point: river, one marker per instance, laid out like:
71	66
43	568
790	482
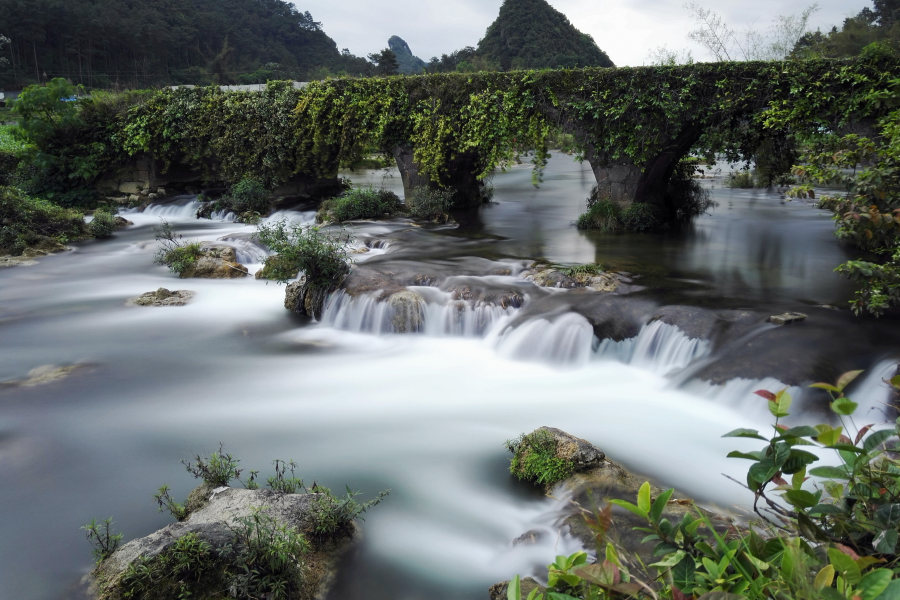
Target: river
425	415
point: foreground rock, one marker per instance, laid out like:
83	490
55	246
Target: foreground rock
215	516
216	262
163	297
304	299
595	480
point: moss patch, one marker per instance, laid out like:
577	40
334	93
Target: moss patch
536	458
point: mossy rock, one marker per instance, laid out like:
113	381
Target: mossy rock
547	456
199	497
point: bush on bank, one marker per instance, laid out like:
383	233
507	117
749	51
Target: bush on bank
867	214
29	222
834	539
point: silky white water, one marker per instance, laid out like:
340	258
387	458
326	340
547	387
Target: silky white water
423	414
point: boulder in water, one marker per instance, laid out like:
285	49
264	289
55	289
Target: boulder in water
552	278
217	262
214	522
305	300
787	318
409	312
163	297
569	453
596	481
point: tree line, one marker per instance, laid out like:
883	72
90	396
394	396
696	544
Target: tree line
116	44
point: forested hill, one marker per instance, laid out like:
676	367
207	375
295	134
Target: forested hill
531	34
102	43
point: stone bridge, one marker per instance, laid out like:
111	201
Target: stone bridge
633	125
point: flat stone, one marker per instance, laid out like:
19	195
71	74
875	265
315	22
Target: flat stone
43	375
162	297
787	318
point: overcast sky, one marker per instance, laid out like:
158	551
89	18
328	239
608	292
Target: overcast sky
625	29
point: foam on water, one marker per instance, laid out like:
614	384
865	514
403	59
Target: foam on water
659	347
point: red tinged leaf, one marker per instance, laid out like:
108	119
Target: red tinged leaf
779	481
678	594
863	432
844	440
782	427
611	568
765	394
848	551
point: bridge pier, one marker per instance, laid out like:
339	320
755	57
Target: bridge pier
461	176
625	182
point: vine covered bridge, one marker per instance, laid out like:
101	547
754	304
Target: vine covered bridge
633	125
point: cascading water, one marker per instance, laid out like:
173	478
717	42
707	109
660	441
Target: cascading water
424	415
872	393
178	209
659	347
438	316
565	340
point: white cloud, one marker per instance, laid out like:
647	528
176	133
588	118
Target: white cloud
626	29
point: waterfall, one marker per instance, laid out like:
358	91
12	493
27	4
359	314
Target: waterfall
223	215
437	315
659	347
179	209
248	252
564	340
872	393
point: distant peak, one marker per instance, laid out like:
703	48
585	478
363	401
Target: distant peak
409	63
397	44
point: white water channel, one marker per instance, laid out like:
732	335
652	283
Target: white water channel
423	414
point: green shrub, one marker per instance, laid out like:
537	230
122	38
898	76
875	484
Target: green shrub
601	214
26	221
268	559
103	225
218	469
322	257
187	569
741	180
640	217
249	199
360	203
430	204
535	459
174	252
248	195
102	539
332	516
283	483
166	502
